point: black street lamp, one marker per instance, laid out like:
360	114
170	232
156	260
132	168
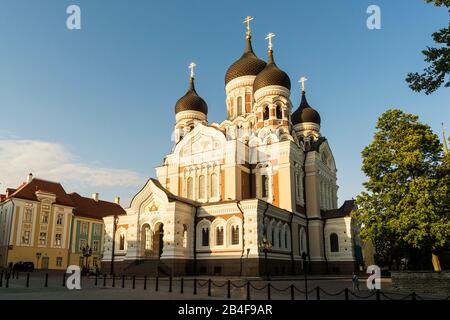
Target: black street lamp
116	221
87	252
266	247
38	256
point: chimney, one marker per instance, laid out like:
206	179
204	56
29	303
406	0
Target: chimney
29	177
117	200
95	196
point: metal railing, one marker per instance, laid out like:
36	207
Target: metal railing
247	289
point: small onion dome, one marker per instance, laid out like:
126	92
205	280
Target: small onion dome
191	101
271	76
305	113
247	65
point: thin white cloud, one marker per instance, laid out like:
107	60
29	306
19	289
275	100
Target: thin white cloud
53	161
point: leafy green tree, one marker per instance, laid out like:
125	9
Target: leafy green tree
405	207
439	58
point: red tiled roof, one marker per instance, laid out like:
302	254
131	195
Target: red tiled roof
89	208
27	191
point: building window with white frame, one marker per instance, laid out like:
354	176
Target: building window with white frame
43	238
234	234
82	244
28	217
84	228
26	237
219	236
58	239
334	242
95	245
44	216
205	237
60	219
97	230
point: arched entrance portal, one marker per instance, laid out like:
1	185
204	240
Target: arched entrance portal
158	242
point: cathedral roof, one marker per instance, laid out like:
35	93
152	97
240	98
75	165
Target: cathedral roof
247	65
271	76
305	113
344	211
191	101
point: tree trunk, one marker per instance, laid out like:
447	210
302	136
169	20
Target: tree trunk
435	261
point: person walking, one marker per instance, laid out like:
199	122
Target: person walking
355	282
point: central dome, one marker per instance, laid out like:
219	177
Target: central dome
247	65
191	101
271	76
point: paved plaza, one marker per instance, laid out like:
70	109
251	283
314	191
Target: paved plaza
330	288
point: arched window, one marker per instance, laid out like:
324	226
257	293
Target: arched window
334	242
184	236
272	236
214	186
240	109
122	242
235	235
201	187
148	238
190	188
279	112
264	186
280	243
219	236
266	113
286	235
205	237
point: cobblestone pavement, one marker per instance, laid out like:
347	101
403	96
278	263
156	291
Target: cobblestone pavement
329	289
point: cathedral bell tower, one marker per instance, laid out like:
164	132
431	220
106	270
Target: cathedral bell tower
240	77
189	109
271	90
306	120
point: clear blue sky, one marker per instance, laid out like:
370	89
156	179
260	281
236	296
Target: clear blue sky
106	93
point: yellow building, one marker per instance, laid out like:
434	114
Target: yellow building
40	222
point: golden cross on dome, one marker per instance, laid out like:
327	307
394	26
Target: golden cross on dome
192	66
247	22
302	81
269	37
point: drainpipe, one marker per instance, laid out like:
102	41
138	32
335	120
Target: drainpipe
306	214
238	204
69	255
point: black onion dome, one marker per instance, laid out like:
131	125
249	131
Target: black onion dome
305	113
271	76
247	65
191	101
